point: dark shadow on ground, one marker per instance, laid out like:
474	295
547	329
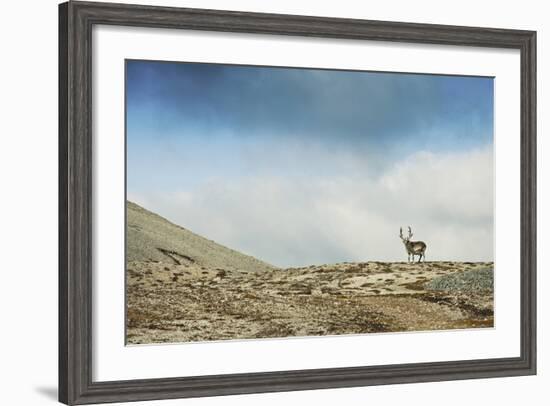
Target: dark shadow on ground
49	392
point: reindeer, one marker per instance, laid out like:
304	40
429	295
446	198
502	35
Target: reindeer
413	247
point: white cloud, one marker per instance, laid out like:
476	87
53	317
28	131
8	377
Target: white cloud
306	218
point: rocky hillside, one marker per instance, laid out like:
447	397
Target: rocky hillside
170	303
152	238
183	287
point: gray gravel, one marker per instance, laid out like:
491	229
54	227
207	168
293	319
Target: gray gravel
468	281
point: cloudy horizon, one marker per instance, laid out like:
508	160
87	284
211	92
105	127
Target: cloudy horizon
304	166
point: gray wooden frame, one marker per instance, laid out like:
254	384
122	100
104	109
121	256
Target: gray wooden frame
76	20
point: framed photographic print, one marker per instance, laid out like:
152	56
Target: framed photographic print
257	202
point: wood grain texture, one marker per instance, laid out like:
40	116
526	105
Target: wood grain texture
76	20
63	246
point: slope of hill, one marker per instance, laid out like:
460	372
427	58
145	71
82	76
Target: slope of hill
152	238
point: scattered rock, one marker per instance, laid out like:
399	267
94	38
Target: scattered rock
477	280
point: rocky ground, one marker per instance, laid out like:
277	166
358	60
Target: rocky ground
180	302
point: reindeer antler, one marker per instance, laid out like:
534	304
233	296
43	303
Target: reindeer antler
401	232
410	232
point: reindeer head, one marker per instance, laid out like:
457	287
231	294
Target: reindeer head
405	239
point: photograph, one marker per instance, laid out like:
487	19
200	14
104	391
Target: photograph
270	202
265	200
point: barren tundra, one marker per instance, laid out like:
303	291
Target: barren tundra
181	287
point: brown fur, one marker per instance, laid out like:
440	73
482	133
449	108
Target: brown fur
413	247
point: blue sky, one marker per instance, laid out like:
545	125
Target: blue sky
203	137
